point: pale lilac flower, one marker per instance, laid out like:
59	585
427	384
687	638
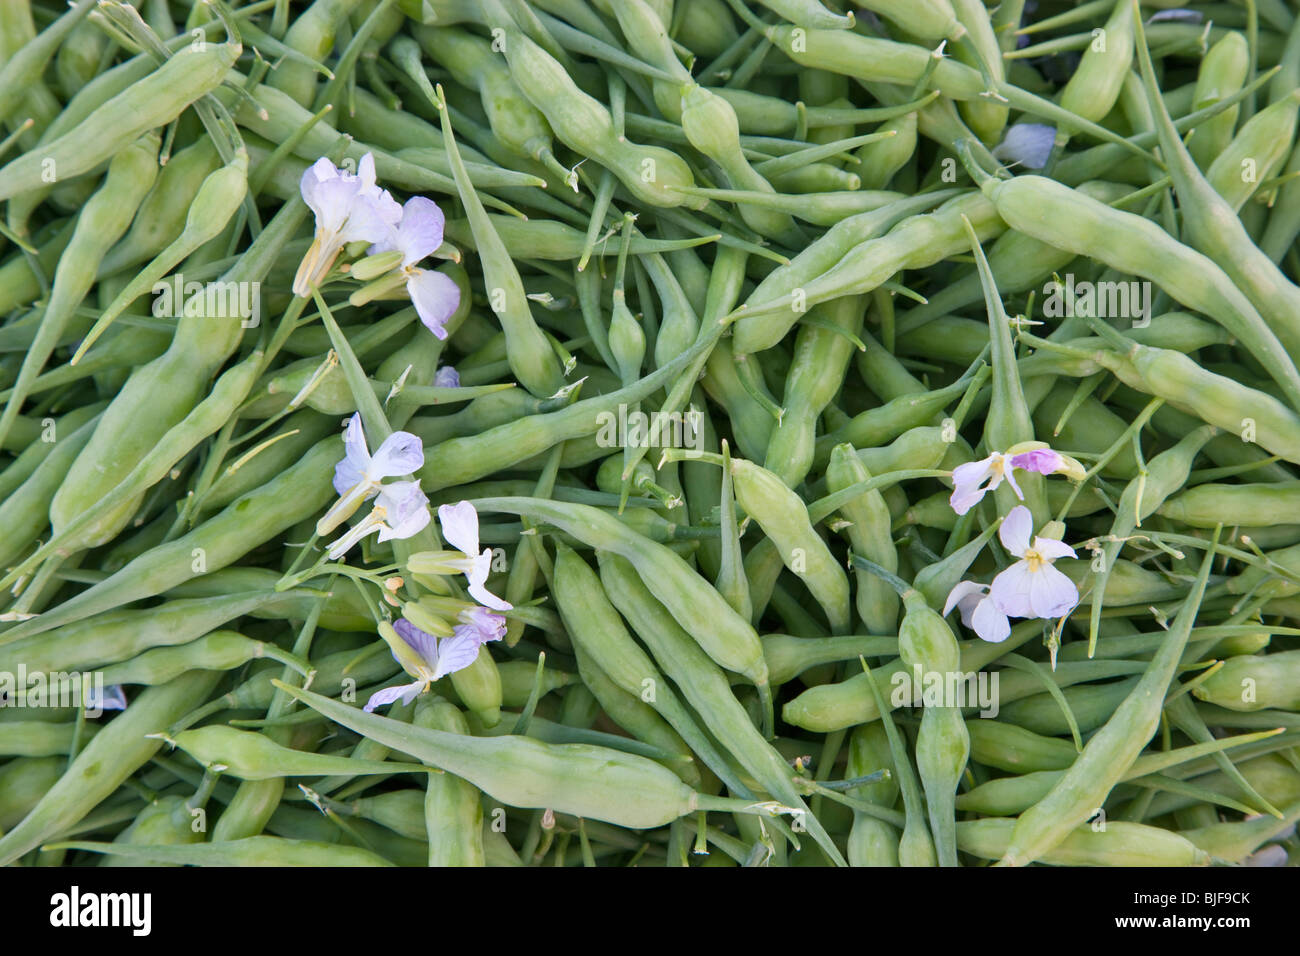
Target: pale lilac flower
349	208
426	658
1178	16
417	236
401	511
460	527
482	623
358	476
978	612
446	377
972	480
114	698
1032	587
1027	144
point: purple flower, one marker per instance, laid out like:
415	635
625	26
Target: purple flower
446	377
978	611
425	657
1032	587
417	236
349	208
1029	144
401	511
971	481
358	476
482	623
460	527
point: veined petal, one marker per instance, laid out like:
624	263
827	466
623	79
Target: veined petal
406	510
400	454
989	622
456	653
435	297
419	233
1042	460
1015	530
1051	593
460	526
407	692
482	623
1010	590
422	642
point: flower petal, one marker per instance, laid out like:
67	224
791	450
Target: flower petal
483	624
435	297
1029	144
456	653
1010	590
990	623
477	586
406	510
966	484
351	470
422	642
1042	460
460	526
446	377
401	454
963	590
389	694
1052	549
419	233
1051	593
1015	530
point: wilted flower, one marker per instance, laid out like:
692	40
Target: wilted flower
460	527
401	511
972	480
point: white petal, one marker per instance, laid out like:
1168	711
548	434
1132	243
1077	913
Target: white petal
1010	590
1051	593
460	526
1015	530
990	623
963	590
1052	549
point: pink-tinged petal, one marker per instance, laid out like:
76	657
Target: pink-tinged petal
422	642
456	653
961	592
1051	593
389	694
435	297
1052	549
1011	480
400	454
483	624
419	233
1029	144
1015	530
446	377
990	623
406	510
1009	591
1042	460
460	526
